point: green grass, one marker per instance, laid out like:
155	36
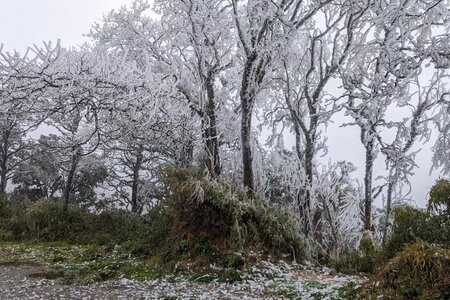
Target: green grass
82	264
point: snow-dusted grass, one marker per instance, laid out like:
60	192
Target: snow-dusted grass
95	272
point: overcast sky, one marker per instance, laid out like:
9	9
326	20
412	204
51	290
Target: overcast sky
28	22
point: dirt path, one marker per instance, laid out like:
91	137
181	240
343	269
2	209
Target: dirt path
26	282
29	282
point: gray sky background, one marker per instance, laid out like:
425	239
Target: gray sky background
27	22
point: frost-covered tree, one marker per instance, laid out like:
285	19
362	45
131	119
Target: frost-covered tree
441	148
337	211
398	44
39	176
140	138
301	92
202	54
12	145
422	102
81	87
43	174
264	28
19	91
191	51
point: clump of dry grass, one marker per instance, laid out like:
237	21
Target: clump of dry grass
228	219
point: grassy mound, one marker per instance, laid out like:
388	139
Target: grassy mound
420	271
211	224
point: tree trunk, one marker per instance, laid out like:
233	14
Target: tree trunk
247	155
3	160
368	186
185	156
247	100
71	174
309	156
390	190
135	186
2	181
212	139
253	75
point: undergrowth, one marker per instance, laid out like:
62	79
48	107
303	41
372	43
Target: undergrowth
45	221
419	271
200	225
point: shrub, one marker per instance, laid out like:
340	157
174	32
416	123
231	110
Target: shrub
419	271
353	263
411	225
154	236
113	226
440	197
5	208
201	223
46	221
364	261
